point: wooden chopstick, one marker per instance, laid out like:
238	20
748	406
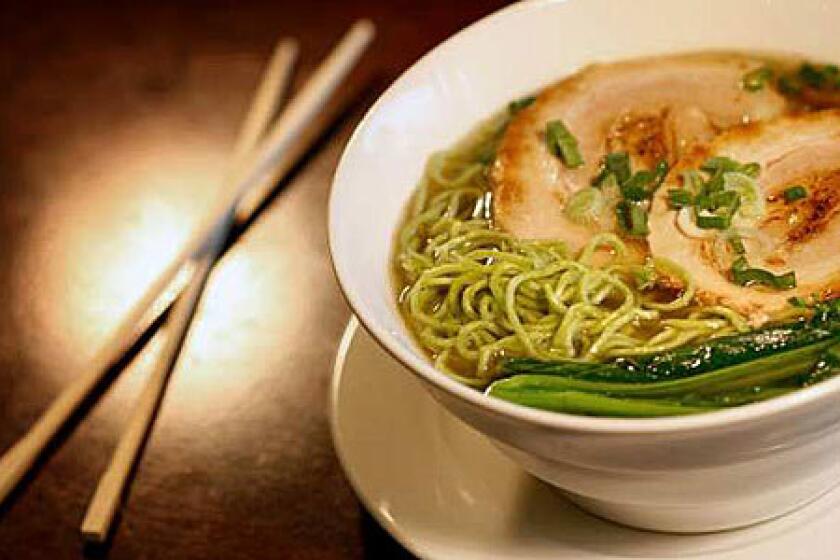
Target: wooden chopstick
101	512
106	499
275	154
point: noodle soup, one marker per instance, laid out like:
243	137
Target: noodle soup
582	255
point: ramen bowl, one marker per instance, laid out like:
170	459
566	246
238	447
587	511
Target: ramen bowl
697	473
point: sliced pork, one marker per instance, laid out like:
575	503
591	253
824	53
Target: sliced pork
654	109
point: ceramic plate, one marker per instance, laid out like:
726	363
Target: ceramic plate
443	491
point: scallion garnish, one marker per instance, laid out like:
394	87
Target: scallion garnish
680	198
562	144
635	188
798	302
692	181
519	104
632	217
728	200
744	275
755	80
789	86
659	173
616	164
795	193
712	221
585	206
715	210
751	169
814	76
720	164
737	245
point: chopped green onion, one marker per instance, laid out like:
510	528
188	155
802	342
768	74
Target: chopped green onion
744	275
789	86
795	193
737	245
714	184
680	198
659	173
798	301
616	164
519	104
751	204
751	169
713	221
819	77
755	80
632	217
635	188
726	199
720	164
692	181
561	143
585	206
715	210
811	75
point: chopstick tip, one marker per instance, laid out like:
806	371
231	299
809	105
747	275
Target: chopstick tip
365	28
289	45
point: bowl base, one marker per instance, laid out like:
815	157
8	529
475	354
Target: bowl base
684	520
697	514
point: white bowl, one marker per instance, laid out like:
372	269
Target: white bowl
689	474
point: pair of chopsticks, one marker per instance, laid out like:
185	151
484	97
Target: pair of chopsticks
265	152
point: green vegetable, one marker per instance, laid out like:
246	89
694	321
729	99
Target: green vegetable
730	190
694	359
713	221
635	188
789	86
751	205
715	210
758	372
819	77
562	144
576	402
616	164
814	76
720	164
680	198
632	217
692	181
737	245
744	275
751	169
795	193
659	173
827	366
519	104
798	301
585	206
726	200
755	80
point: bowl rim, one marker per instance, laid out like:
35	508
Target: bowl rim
423	368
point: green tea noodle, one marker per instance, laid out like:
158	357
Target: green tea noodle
473	294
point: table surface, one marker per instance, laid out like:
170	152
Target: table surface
116	120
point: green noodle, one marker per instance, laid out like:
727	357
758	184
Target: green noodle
473	295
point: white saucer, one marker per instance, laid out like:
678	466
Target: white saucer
443	491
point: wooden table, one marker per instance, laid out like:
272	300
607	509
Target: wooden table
115	124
